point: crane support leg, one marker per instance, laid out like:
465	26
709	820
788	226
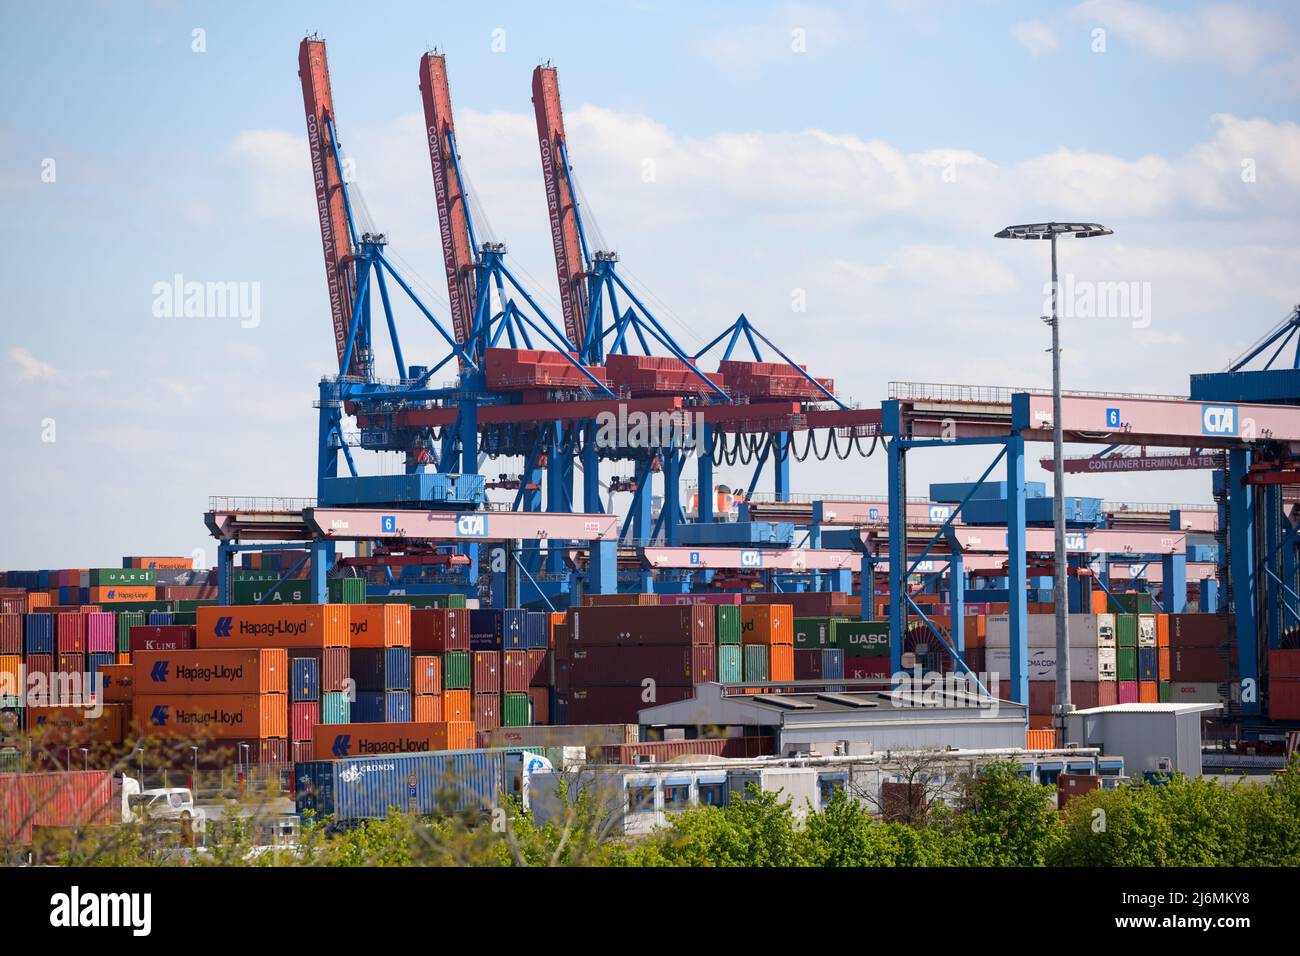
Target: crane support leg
1241	531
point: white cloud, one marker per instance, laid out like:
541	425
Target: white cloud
29	367
788	32
1035	36
1228	34
281	172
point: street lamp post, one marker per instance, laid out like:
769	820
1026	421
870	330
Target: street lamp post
1052	231
85	757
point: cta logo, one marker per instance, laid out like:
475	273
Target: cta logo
751	559
471	526
1218	420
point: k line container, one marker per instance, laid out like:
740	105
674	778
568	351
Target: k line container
216	716
172	637
287	625
257	671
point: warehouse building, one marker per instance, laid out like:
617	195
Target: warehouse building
1153	739
846	723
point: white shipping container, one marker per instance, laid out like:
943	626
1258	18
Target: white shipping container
1146	630
1184	693
1084	663
1086	630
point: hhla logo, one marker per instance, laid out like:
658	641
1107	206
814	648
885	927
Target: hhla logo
76	909
634	429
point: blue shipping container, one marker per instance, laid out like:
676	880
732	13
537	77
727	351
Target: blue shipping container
485	629
832	663
512	629
304	675
161	618
38	634
397	668
368	708
537	628
1148	663
397	706
366	788
95	661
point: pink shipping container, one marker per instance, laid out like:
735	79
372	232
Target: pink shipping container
303	719
11	633
1128	691
70	633
101	633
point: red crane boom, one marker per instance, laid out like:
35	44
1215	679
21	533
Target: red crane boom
569	266
336	242
453	223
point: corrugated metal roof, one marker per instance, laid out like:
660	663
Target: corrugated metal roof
1169	708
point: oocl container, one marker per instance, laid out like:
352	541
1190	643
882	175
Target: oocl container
286	625
255	671
217	716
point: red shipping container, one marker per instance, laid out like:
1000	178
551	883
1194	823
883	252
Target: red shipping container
439	629
1042	695
1283	663
541	701
1284	698
487	672
72	663
628	666
70	633
487	711
807	664
539	668
866	668
303	716
335	666
64	799
617	705
1198	630
651	624
514	672
427	709
426	675
101	633
302	751
169	637
1107	693
1199	664
11	633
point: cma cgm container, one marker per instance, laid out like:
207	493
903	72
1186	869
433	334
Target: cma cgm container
239	716
287	625
373	740
360	788
254	671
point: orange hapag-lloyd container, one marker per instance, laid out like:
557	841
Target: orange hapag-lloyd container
766	624
281	625
380	625
228	716
257	670
73	725
331	741
120	593
169	564
119	682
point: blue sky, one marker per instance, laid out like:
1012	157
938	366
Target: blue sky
868	170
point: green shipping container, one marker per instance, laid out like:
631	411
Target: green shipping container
728	624
118	607
812	633
514	710
256	592
419	600
191	606
125	621
1135	603
106	577
754	662
1126	633
456	670
1126	663
184	617
729	669
861	638
347	590
246	574
11	761
335	708
1166	692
